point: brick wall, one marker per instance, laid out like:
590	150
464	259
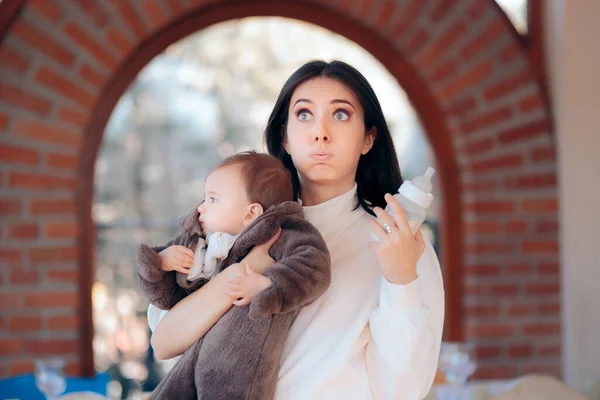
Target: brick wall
59	55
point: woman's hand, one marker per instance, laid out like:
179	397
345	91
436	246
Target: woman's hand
398	251
176	258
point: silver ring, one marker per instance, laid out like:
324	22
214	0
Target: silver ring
388	228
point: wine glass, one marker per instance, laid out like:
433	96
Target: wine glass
457	362
49	377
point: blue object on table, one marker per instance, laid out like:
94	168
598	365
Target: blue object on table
23	386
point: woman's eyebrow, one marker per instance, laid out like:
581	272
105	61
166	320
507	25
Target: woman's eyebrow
336	101
302	101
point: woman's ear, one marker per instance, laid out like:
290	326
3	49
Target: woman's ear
284	141
369	140
254	211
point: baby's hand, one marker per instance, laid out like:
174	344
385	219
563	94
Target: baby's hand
177	258
246	288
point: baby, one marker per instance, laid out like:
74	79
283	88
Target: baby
247	201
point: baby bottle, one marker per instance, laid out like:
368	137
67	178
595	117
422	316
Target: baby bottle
415	198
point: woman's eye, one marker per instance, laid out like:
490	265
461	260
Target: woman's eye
341	115
304	115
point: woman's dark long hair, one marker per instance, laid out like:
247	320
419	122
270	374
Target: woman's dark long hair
378	171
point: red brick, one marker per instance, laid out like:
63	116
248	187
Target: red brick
542	329
40	181
409	15
487	352
92	76
545	368
516	227
51	206
52	299
540	205
9	255
520	351
417	41
95	13
490	331
23	231
478	186
553	308
484	39
18	98
489	372
524	132
47	9
445	70
440	10
489	248
20	277
467	79
517	310
482	311
510	52
518	269
493	207
118	39
543	288
55	346
461	107
10	206
43	43
543	154
499	162
546	227
479	146
20	367
482	227
507	289
542	247
130	16
10	346
13	60
477	9
67	275
507	86
18	155
73	368
61	229
51	254
533	102
177	9
487	120
550	350
10	301
482	269
531	181
72	116
387	10
51	79
24	323
45	133
62	323
154	11
3	122
87	42
548	268
54	160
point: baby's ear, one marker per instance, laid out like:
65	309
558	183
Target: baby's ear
190	222
254	211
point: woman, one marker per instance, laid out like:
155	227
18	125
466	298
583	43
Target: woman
376	332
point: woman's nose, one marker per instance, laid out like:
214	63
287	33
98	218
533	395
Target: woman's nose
321	133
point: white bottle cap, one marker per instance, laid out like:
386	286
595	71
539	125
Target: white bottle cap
418	191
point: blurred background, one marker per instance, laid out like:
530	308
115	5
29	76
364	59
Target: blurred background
112	113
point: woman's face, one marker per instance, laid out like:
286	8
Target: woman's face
325	133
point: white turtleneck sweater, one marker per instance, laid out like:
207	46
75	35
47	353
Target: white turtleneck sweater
364	338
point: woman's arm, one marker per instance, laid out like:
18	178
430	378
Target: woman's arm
406	329
192	317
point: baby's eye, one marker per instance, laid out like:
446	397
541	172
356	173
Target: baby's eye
212	200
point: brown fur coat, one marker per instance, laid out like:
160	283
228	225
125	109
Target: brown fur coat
238	357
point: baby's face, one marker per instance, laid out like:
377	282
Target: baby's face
225	201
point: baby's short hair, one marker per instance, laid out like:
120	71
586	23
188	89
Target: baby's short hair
268	182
